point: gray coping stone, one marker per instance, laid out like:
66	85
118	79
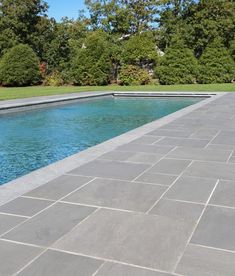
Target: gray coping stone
7	222
50	225
200	154
213	170
140	239
133	147
216	228
114	269
224	194
170	166
204	133
191	189
138	157
225	138
118	194
178	210
185	133
147	140
59	187
25	206
157	178
111	169
186	142
54	263
198	260
15	256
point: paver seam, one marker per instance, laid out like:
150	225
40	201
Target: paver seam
196	225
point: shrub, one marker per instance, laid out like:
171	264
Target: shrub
133	75
216	65
178	65
91	64
19	67
54	79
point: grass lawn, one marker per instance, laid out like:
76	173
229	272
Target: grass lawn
26	92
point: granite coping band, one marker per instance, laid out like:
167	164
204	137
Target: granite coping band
26	183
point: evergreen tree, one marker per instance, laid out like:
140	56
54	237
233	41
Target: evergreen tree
19	67
216	64
178	65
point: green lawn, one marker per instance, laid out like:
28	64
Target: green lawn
26	92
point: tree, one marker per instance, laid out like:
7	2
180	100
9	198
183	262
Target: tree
90	64
23	21
140	50
216	64
19	67
178	65
122	16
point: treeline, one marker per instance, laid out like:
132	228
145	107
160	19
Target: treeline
121	41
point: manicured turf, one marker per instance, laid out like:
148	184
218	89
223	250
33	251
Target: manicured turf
26	92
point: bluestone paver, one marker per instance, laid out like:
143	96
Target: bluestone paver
54	263
146	148
186	142
170	166
157	178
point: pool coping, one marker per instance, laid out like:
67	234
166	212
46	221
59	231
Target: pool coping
28	182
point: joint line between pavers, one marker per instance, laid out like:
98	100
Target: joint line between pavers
168	188
13	215
211	247
194	229
230	156
112	261
210	142
39	198
99	268
53	203
184	201
23	243
153	164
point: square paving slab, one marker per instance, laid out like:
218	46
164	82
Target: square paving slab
216	228
144	240
111	169
170	166
54	263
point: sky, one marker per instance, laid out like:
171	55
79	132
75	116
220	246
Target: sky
62	8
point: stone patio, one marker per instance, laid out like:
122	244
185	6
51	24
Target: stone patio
163	204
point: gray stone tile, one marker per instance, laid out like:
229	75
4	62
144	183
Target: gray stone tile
157	178
200	154
216	228
198	260
224	194
185	133
138	239
61	264
15	256
212	170
115	269
50	225
225	138
59	187
25	206
111	169
132	147
221	147
146	140
191	189
232	159
138	157
178	210
204	133
118	194
170	166
7	222
186	142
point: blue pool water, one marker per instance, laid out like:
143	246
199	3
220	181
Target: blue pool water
33	139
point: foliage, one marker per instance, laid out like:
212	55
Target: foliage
90	64
232	49
19	67
133	75
178	65
140	50
215	64
54	79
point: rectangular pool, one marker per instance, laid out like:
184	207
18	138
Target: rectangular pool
33	139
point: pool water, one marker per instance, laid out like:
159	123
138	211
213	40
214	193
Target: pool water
33	139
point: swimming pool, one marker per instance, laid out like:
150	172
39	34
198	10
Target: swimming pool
33	139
